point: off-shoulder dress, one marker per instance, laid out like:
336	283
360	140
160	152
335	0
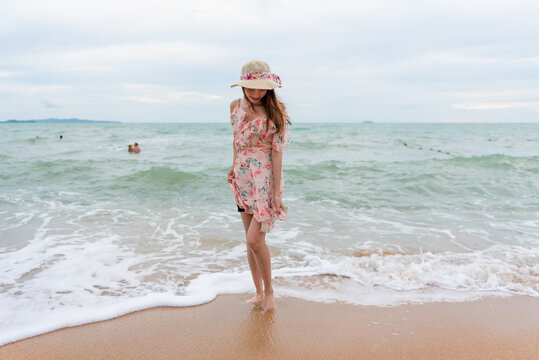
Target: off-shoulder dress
252	185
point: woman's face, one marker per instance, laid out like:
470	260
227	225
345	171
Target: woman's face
255	95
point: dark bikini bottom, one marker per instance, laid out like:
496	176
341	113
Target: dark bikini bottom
240	209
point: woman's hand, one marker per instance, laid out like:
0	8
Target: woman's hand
279	206
231	175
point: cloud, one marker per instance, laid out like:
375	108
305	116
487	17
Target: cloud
27	89
50	105
155	94
463	57
9	74
141	99
498	105
124	56
193	97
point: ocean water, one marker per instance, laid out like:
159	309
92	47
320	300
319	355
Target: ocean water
379	214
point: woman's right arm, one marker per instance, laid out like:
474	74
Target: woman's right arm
231	172
233	105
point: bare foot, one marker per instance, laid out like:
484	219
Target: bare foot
269	302
258	299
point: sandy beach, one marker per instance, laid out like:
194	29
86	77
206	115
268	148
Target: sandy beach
228	328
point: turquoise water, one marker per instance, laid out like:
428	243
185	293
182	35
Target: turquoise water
379	214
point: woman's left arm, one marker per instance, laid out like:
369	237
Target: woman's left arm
277	166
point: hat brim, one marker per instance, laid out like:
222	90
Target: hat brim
266	84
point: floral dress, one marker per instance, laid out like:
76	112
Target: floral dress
252	185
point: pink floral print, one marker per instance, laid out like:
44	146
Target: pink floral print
262	75
252	185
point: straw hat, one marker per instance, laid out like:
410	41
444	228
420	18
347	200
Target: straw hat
256	74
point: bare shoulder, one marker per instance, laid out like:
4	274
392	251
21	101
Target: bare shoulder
233	104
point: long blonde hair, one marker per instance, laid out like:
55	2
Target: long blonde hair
275	110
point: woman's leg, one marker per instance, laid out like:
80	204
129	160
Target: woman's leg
255	273
256	241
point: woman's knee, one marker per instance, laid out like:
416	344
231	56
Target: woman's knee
255	238
254	242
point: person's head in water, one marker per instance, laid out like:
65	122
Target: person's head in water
136	149
130	148
61	137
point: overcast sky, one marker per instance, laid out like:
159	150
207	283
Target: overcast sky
173	61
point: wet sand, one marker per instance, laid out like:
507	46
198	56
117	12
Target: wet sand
228	328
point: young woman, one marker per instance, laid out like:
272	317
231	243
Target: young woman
260	136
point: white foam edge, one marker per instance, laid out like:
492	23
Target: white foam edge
206	287
84	315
